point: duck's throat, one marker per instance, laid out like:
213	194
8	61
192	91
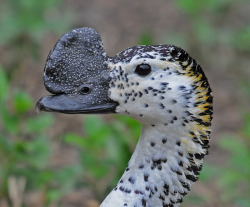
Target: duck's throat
164	165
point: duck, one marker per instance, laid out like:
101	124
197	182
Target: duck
161	87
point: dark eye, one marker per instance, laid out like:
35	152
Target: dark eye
143	69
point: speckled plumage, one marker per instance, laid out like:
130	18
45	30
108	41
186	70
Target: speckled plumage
174	104
171	98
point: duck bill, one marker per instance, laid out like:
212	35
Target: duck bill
75	104
77	62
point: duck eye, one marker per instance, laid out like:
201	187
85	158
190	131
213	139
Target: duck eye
143	69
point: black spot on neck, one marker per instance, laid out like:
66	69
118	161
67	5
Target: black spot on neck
146	177
131	180
164	140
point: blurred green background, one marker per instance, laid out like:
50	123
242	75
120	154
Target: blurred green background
63	160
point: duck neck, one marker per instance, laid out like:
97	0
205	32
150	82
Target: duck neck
165	163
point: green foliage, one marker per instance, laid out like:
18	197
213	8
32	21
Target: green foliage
244	88
207	26
24	145
106	146
246	127
195	7
20	18
241	39
208	173
234	177
3	85
22	102
23	25
25	148
39	124
146	38
197	200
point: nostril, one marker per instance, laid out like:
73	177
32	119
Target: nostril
85	90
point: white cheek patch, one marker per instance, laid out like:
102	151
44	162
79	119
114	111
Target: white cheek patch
154	98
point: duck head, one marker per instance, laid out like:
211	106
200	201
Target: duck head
153	84
160	85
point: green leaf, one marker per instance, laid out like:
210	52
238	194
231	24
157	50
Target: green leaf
233	144
146	39
208	173
64	177
77	140
39	123
5	146
3	85
96	166
190	6
92	124
22	102
229	179
38	152
241	39
198	7
246	127
44	177
53	194
133	126
243	202
10	122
